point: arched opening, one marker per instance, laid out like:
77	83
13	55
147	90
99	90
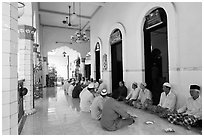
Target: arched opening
116	59
63	63
97	61
156	52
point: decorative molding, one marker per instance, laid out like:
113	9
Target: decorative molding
134	70
186	69
26	32
105	62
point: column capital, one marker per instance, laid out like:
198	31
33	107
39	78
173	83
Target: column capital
26	32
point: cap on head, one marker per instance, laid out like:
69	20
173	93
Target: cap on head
134	83
144	84
166	84
91	86
194	86
104	92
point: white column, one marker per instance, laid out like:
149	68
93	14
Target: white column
25	55
25	64
9	68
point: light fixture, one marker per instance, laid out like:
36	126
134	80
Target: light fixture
79	36
64	54
74	15
21	6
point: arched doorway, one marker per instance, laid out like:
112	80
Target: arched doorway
116	60
156	52
97	61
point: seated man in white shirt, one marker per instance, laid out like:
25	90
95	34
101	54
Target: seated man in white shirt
191	112
102	86
167	98
133	95
71	88
86	98
144	95
97	105
167	102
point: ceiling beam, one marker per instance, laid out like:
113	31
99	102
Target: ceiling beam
97	3
86	26
43	11
98	8
54	26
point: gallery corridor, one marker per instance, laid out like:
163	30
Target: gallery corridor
59	114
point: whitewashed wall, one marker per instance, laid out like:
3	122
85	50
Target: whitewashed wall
184	42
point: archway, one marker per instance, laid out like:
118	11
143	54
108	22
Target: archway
63	60
97	63
116	60
156	52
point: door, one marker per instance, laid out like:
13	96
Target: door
156	53
116	62
97	59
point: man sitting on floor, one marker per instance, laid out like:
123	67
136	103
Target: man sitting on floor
86	98
113	116
167	102
144	96
191	112
97	105
133	95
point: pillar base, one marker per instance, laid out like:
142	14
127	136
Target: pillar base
30	112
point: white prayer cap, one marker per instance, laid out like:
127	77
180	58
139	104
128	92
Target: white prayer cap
144	84
91	85
167	84
104	92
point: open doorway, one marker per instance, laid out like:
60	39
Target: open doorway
156	52
116	60
61	65
97	63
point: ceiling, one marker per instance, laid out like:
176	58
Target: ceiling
53	13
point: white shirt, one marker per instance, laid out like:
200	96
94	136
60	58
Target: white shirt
192	107
86	99
96	84
167	101
70	90
134	93
143	95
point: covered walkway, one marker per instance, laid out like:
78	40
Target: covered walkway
59	114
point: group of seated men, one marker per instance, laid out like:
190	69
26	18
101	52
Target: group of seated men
74	87
112	116
104	108
188	115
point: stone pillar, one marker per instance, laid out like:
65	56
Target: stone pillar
9	68
82	66
25	64
45	70
35	63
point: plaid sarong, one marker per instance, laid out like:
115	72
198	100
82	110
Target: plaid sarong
182	119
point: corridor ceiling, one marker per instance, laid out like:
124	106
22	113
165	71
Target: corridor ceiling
53	13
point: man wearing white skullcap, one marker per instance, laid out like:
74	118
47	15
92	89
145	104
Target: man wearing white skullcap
133	95
86	98
167	98
97	105
144	94
191	112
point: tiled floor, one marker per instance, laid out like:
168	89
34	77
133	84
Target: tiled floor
59	114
